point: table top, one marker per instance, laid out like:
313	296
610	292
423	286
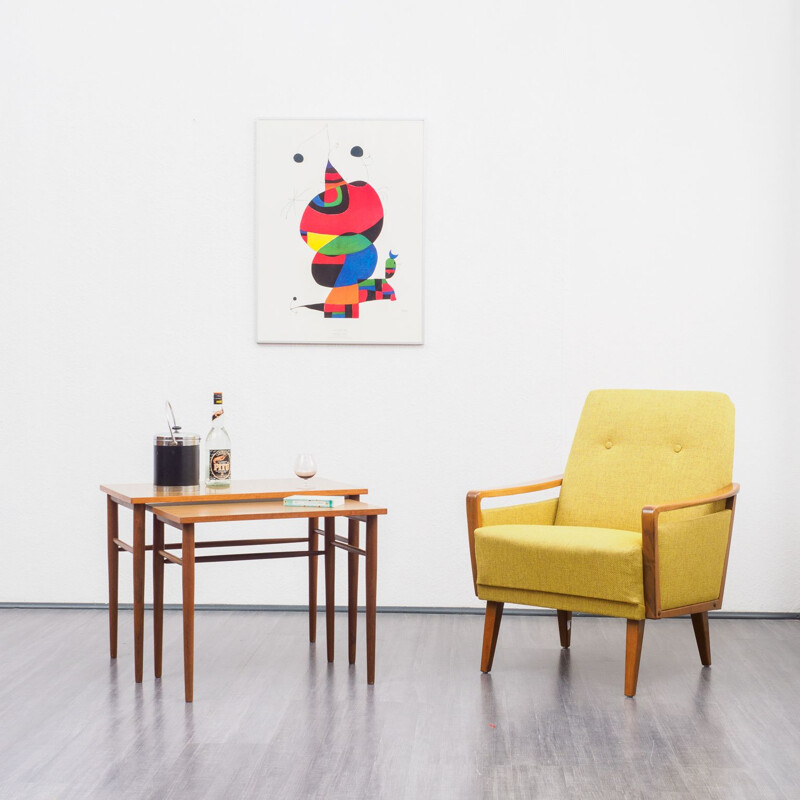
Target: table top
275	509
261	489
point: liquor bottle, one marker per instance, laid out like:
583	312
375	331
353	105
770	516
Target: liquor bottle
218	448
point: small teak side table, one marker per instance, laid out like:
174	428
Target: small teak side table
186	517
137	496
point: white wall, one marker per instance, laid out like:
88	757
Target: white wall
609	202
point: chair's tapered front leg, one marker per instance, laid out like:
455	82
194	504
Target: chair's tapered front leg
564	626
633	653
494	615
700	624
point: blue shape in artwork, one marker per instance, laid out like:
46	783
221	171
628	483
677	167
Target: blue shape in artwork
358	266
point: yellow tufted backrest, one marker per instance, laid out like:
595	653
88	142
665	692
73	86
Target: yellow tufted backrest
639	447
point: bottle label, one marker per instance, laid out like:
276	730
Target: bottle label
219	465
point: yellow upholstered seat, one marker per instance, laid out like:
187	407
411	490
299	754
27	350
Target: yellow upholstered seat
589	562
640	529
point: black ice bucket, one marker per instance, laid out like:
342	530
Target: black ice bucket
176	458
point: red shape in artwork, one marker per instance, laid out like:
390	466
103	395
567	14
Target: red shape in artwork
319	258
363	211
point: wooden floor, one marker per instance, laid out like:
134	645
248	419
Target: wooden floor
271	719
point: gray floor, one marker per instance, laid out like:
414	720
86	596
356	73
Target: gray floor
272	719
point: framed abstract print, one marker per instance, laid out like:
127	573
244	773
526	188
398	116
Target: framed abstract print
339	231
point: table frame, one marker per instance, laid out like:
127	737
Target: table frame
184	518
138	496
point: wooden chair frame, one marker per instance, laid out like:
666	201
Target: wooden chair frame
650	574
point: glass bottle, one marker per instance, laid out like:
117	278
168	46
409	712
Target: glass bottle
218	448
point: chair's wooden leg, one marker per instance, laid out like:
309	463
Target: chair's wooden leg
491	627
633	653
700	624
564	626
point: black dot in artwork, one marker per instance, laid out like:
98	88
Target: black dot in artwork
298	157
356	151
294	298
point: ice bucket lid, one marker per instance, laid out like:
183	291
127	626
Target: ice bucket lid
179	440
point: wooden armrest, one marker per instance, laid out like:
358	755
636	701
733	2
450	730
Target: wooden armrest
652	580
474	499
723	494
506	491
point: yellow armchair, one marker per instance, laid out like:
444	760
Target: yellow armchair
640	529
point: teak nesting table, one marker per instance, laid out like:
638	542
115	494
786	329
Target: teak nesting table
243	500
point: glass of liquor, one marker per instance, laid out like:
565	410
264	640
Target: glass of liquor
305	467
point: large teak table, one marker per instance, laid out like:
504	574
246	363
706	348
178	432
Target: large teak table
185	518
138	496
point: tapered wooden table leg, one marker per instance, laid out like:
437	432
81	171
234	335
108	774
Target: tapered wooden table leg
313	524
112	514
352	590
371	581
158	594
330	581
187	570
138	591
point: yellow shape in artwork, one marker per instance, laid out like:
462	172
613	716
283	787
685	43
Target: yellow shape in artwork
316	241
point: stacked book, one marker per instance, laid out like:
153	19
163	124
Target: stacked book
313	500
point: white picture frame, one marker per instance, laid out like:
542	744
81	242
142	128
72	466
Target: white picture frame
336	178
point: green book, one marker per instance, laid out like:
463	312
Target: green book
314	500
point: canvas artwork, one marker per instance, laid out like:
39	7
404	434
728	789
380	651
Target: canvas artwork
339	231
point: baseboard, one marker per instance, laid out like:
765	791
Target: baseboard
516	611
